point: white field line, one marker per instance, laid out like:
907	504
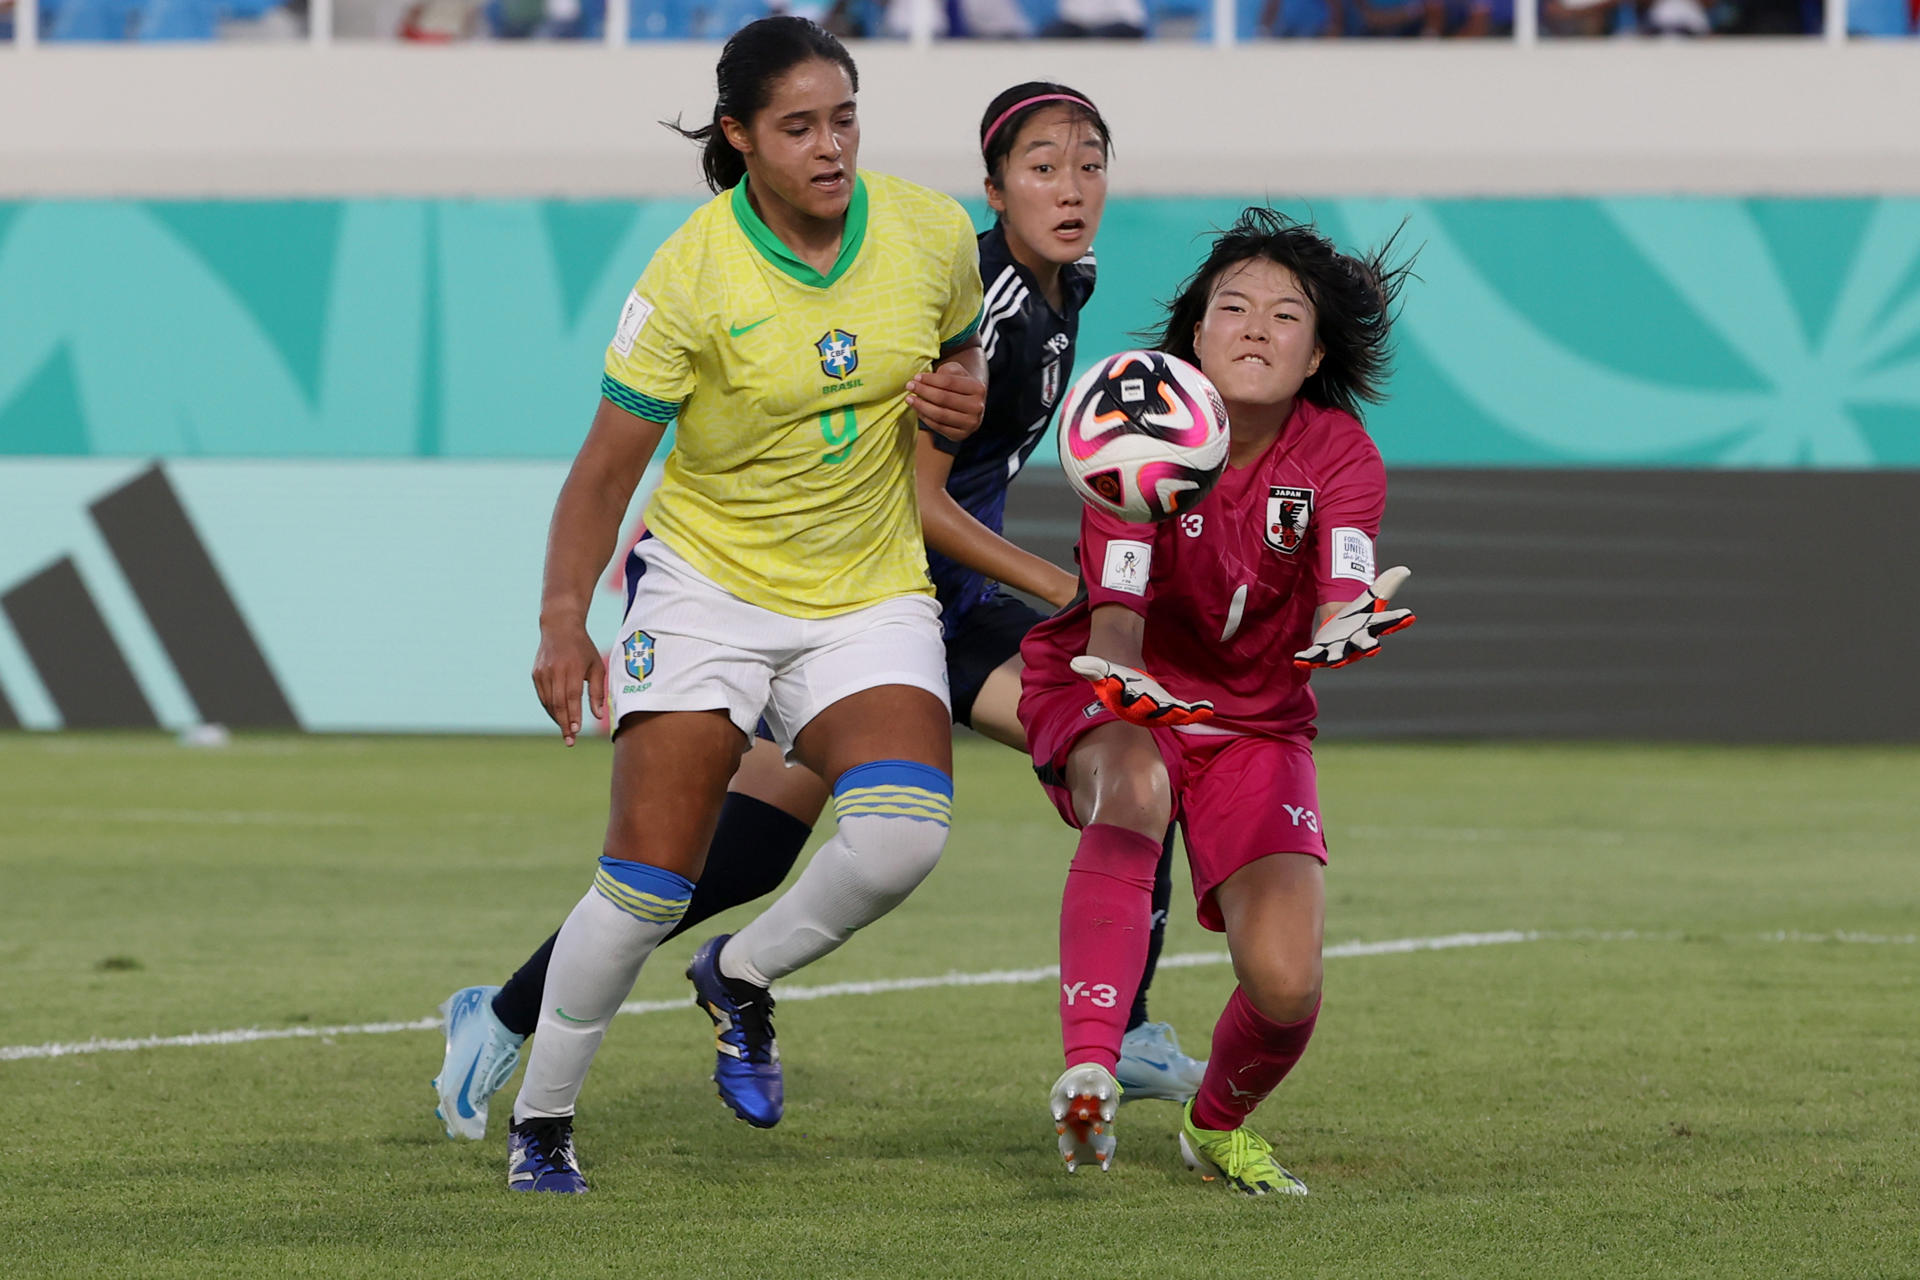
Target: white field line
884	986
324	818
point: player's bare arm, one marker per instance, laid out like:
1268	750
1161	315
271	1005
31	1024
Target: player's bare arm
586	525
951	398
952	531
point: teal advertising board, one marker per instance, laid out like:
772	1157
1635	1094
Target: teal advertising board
1623	332
290	464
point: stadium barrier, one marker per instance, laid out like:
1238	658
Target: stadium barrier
1308	118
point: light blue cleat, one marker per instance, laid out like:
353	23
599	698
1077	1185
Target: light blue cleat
1152	1066
481	1054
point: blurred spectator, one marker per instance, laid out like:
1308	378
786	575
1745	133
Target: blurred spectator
1292	19
1098	19
442	21
1883	17
171	20
952	19
1469	19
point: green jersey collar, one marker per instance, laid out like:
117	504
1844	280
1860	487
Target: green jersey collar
762	238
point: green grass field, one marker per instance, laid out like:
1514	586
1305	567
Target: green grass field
1705	1065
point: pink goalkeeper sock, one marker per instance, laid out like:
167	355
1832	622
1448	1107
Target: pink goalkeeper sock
1251	1056
1106	919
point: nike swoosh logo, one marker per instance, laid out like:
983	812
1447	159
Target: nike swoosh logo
747	328
460	1100
569	1017
1157	1066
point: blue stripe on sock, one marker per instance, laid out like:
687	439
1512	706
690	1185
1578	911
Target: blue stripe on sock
655	883
895	773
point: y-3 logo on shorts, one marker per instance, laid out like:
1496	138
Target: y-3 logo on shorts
1303	817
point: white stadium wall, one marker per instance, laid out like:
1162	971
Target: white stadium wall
1742	117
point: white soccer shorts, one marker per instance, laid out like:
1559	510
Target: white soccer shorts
688	644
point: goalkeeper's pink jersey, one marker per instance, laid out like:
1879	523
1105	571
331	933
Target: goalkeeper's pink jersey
1229	589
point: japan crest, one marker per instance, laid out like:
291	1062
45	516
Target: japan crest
1288	513
1049	384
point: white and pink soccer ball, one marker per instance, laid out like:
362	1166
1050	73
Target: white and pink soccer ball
1143	436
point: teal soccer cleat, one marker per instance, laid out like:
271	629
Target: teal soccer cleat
481	1055
1152	1066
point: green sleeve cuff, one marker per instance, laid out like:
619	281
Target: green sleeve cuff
637	403
963	335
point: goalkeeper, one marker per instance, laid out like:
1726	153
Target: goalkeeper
1198	635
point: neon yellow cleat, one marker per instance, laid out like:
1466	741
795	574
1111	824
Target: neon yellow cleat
1241	1156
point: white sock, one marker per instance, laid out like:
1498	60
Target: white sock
892	826
596	959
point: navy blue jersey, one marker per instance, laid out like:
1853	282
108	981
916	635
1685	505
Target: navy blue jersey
1029	350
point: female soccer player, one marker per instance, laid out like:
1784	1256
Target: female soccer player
796	326
1045	147
1198	634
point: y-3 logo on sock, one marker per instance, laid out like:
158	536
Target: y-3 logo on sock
1099	994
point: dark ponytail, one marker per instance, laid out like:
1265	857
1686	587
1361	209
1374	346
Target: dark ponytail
757	55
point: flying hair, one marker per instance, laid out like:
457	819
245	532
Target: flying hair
1355	299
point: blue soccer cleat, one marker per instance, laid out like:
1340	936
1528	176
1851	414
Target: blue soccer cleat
1152	1066
747	1059
540	1156
481	1054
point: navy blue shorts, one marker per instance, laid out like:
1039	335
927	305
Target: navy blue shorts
978	641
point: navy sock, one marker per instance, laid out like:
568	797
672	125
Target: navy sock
518	1004
754	847
1162	903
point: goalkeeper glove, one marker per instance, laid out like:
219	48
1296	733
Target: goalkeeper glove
1354	632
1137	697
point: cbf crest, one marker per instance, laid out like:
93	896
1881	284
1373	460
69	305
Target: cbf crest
638	651
1289	513
839	355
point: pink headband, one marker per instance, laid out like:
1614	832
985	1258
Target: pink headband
1024	103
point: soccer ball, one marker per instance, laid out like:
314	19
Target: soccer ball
1143	436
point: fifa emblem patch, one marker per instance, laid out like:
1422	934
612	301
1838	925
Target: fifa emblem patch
1289	511
839	356
1050	384
638	651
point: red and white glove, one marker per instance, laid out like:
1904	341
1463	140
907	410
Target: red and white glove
1137	697
1354	632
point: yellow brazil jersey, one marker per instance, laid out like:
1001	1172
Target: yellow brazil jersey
790	482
